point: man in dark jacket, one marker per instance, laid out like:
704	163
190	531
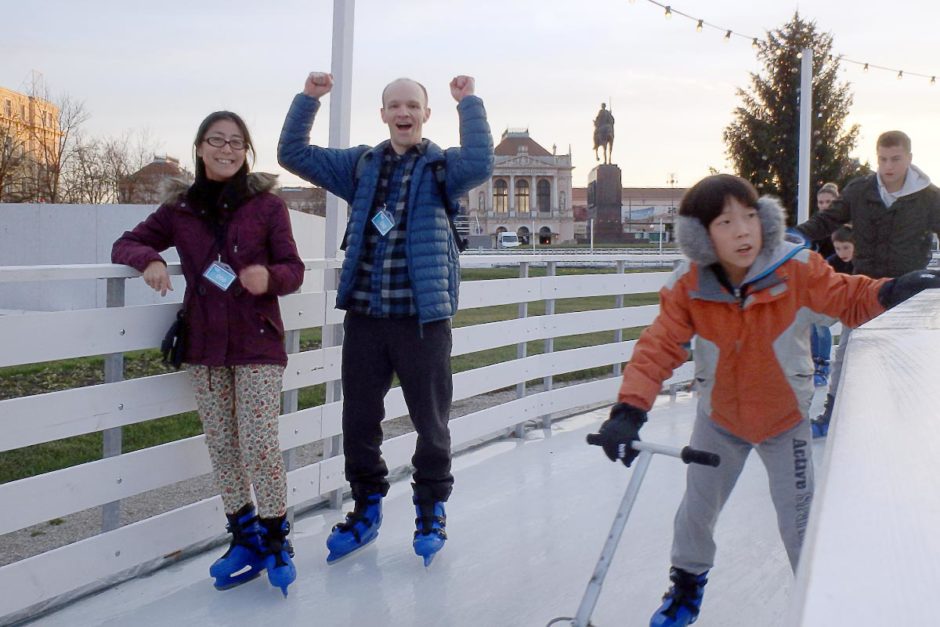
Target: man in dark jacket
398	286
894	214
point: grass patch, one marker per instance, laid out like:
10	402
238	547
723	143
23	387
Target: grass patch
54	376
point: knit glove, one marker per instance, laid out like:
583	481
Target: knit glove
898	290
618	433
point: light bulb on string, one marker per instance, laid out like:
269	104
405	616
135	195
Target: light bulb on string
668	13
933	80
728	36
698	27
865	69
900	74
754	43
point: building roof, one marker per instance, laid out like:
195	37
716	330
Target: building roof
159	168
514	139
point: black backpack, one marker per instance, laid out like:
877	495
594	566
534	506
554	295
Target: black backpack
439	176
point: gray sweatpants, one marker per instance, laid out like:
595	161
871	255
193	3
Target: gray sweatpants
788	459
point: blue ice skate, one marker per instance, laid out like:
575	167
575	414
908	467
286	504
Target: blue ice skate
359	529
429	525
244	559
821	373
820	423
682	602
278	552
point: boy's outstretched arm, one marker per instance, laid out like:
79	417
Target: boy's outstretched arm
898	290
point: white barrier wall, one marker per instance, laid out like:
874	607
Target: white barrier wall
872	551
40	234
49	578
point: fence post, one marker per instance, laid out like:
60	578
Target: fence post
112	438
289	404
521	347
332	335
618	334
548	380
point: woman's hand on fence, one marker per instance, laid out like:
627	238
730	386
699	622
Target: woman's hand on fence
156	276
255	279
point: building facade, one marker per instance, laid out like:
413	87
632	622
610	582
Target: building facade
529	192
29	142
143	186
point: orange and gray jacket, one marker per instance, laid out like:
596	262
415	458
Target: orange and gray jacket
753	365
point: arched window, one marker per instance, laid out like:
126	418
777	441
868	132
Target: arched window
500	196
544	195
522	196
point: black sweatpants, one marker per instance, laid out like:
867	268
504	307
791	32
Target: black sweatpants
375	349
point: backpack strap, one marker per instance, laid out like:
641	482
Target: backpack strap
440	177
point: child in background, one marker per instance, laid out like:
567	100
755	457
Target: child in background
821	337
841	261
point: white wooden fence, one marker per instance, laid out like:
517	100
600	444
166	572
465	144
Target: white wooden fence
37	583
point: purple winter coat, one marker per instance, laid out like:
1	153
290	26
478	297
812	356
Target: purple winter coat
234	327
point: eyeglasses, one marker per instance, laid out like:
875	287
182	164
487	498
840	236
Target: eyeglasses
217	142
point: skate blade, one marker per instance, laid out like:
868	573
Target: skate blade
228	583
428	559
330	560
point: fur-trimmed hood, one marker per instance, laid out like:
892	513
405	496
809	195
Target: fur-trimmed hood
695	243
172	189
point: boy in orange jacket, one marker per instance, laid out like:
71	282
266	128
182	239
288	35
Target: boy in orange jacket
748	297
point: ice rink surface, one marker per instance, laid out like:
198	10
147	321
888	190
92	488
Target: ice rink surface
526	524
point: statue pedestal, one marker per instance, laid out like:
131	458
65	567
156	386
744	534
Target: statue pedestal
604	196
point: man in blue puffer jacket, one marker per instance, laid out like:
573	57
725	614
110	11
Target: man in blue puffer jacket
398	286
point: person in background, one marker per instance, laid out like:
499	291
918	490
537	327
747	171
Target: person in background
821	337
841	261
894	213
238	255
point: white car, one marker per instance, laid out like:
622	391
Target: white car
507	240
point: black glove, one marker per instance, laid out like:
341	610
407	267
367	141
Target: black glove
898	290
620	431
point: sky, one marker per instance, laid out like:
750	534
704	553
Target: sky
158	68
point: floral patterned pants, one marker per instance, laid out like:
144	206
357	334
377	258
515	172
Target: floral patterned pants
239	408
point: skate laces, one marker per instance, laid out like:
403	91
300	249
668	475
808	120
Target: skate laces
686	591
242	533
277	543
425	522
358	515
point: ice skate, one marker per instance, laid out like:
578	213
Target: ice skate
244	559
682	602
359	529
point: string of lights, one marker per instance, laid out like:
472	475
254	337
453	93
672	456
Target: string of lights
728	33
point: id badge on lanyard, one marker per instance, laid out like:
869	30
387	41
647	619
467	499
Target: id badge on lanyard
220	274
383	221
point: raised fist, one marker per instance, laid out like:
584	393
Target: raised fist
318	84
461	86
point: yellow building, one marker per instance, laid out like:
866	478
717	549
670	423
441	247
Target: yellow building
29	139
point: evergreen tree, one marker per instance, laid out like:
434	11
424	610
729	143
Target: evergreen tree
763	140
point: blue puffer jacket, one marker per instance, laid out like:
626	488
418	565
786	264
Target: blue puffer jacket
433	264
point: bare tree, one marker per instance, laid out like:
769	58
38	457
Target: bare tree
12	161
56	152
86	180
126	155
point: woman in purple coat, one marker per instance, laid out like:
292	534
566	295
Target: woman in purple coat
238	255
